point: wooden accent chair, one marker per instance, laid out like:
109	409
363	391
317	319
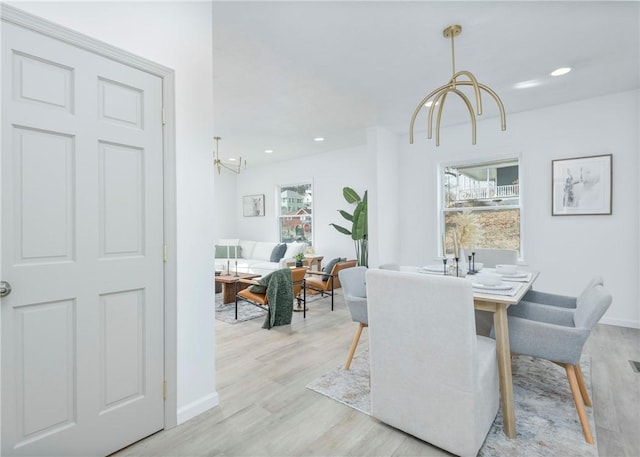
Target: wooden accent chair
260	299
557	331
326	283
355	295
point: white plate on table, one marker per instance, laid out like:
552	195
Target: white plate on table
516	275
501	286
433	268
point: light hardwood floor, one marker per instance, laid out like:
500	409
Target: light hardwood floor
265	409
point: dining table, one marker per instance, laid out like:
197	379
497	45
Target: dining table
497	300
487	300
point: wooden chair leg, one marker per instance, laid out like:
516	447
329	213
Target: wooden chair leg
354	345
577	399
581	384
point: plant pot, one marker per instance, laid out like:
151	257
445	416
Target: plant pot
298	263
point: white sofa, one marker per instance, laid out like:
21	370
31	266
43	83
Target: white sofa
254	256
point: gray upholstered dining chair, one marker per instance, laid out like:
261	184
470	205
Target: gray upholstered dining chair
355	295
492	257
558	333
431	375
562	301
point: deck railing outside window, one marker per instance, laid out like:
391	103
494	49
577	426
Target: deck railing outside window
477	193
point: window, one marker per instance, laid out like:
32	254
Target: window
491	192
296	213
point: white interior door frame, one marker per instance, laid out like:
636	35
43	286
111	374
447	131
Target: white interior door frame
30	22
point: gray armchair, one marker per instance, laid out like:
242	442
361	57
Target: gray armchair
355	295
557	333
562	301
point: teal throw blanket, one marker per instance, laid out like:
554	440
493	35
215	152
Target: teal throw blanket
279	296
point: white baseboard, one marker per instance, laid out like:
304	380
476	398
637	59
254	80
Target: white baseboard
620	322
197	407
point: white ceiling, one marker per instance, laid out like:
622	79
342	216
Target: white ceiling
286	72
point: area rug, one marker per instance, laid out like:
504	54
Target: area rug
246	311
546	418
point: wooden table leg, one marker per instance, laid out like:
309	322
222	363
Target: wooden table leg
504	369
228	292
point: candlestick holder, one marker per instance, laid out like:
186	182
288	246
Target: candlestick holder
228	269
236	275
457	272
472	263
444	266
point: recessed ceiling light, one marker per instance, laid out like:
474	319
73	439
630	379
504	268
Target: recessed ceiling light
527	84
560	71
232	159
268	151
319	138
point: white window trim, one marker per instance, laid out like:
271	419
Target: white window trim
279	207
441	165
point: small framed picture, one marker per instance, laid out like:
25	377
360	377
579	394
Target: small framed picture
253	205
581	186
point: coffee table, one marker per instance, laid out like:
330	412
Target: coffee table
229	285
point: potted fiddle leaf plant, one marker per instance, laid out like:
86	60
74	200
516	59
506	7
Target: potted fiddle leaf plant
359	227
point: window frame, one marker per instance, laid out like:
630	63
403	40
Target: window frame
279	214
470	162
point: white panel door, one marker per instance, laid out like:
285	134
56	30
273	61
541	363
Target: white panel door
82	243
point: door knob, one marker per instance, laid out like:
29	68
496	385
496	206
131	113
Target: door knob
5	288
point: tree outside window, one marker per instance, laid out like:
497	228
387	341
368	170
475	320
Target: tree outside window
491	191
296	213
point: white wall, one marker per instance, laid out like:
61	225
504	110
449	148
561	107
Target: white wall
226	207
177	35
568	250
384	209
329	173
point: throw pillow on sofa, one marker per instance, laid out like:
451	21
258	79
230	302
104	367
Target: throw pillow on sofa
278	252
222	251
294	248
262	250
329	267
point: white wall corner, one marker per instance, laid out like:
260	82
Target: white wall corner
384	197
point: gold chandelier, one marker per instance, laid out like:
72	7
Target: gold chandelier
439	96
220	164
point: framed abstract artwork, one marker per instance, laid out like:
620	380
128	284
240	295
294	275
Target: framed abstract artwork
253	205
581	186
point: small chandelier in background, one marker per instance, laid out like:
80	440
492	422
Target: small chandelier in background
220	164
439	96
